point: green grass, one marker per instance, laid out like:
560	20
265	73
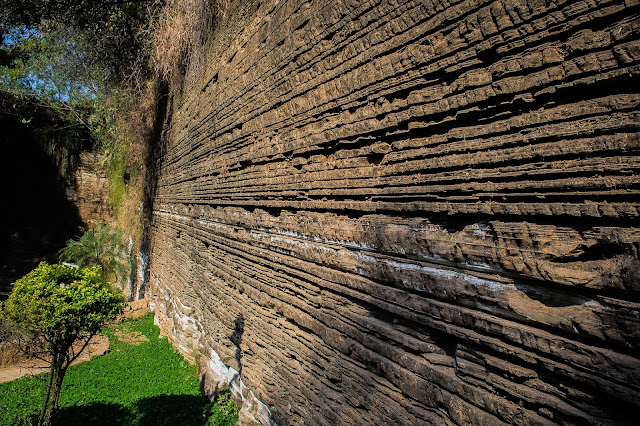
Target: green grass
144	384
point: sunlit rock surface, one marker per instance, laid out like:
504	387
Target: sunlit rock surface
408	212
90	190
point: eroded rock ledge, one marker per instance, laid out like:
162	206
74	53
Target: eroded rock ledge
409	212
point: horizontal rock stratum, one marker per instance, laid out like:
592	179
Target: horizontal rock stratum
408	212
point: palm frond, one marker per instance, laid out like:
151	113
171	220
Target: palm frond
100	246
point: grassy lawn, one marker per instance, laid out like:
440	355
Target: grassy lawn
144	384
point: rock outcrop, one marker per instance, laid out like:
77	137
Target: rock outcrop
408	212
90	190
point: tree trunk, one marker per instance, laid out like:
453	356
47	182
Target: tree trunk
48	394
58	369
57	387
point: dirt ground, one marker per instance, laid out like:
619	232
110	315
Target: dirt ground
13	365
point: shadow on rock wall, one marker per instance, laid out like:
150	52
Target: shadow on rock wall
156	150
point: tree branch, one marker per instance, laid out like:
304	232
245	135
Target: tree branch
86	343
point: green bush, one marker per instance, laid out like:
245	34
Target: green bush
224	411
54	311
100	246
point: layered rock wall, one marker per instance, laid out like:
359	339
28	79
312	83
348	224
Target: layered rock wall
409	212
90	192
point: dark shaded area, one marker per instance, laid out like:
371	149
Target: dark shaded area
36	217
93	414
156	151
164	410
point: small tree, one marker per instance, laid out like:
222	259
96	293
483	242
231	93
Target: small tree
100	246
53	312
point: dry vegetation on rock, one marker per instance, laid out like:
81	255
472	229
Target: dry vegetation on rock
180	34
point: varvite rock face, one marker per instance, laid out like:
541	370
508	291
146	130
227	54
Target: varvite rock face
90	192
408	212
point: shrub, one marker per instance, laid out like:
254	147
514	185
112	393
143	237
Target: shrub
224	411
54	311
100	246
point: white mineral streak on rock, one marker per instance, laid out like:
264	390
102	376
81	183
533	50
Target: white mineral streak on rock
129	288
142	281
185	329
442	273
173	321
253	411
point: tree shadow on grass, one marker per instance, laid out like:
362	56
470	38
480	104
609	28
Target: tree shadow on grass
164	410
93	414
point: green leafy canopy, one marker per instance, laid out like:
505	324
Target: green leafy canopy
61	303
